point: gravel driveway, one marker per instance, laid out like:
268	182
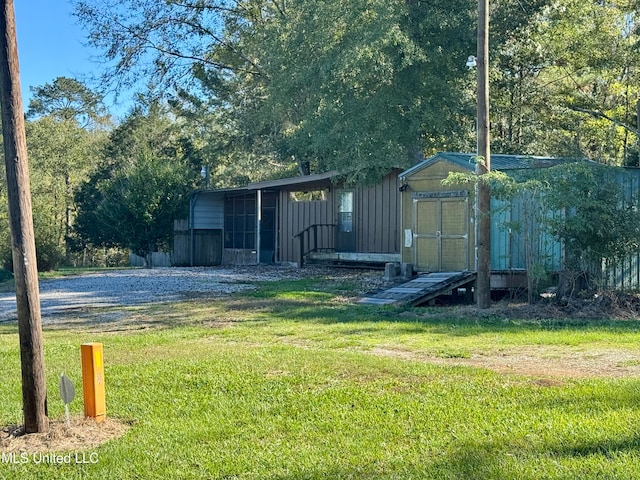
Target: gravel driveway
142	286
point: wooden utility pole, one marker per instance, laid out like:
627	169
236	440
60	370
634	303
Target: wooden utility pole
483	215
34	393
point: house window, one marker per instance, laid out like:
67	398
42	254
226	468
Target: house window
309	196
345	211
240	222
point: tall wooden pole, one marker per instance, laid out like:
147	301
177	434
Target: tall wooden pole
483	283
34	393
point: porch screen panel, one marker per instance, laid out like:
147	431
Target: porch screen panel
240	222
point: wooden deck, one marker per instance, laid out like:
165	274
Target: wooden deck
422	289
353	257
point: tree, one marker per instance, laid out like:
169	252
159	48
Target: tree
353	86
61	154
140	203
329	92
216	141
565	81
141	184
66	127
160	42
359	86
67	99
517	102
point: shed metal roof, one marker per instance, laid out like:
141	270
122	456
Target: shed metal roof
498	162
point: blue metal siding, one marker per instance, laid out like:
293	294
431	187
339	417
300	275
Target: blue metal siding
625	274
509	237
501	247
508	243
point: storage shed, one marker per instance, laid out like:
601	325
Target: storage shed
439	221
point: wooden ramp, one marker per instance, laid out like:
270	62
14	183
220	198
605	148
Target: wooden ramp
422	289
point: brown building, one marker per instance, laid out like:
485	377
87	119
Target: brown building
293	220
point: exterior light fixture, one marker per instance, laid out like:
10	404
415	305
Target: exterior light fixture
204	173
471	61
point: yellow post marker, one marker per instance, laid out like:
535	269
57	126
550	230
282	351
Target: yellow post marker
93	381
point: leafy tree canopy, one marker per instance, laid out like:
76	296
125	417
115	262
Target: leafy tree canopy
565	82
312	85
141	184
358	86
67	99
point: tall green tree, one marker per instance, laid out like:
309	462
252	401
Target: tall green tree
141	183
353	86
309	85
68	99
61	147
160	42
68	123
358	86
565	81
61	154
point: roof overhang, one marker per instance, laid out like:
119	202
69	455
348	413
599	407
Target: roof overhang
308	181
218	191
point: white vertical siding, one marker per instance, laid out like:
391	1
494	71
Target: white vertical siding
208	211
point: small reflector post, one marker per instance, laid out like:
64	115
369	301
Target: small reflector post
93	381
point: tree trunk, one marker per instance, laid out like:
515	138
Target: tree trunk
34	395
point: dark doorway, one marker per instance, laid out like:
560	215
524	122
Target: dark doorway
268	227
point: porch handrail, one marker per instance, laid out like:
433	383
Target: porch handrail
311	233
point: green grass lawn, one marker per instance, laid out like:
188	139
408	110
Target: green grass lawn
284	383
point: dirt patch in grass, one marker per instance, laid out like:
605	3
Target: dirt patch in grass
81	436
540	362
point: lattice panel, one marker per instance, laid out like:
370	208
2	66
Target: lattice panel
454	254
426	217
427	253
454	218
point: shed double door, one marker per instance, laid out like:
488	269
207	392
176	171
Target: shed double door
441	234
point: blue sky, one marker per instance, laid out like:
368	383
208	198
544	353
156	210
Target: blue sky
50	44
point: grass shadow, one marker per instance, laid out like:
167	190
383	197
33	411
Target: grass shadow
296	296
608	447
299	306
